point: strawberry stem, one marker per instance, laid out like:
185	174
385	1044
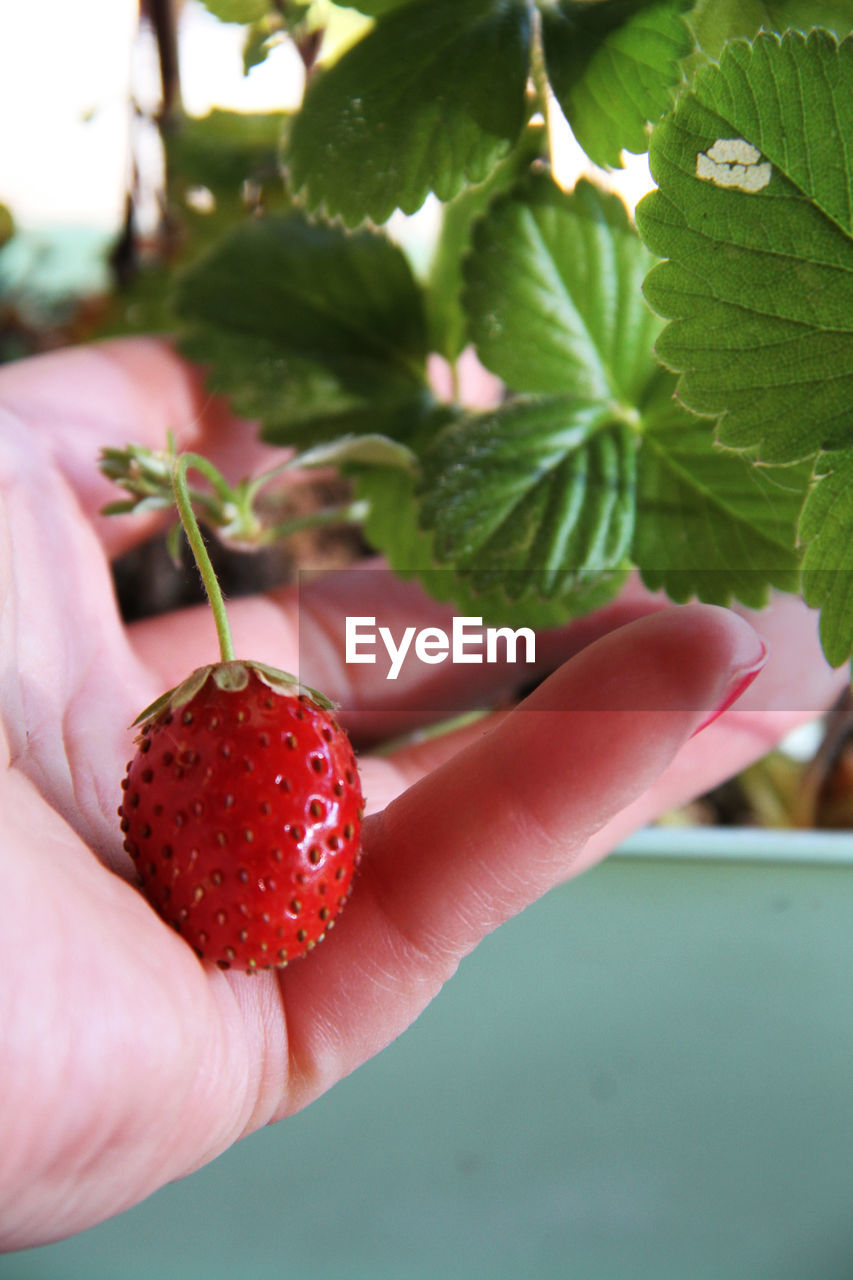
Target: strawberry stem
199	550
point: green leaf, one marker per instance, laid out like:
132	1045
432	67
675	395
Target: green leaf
259	44
300	401
224	150
827	529
553	295
302	21
613	66
393	527
317	332
365	450
238	10
716	21
755	213
446	316
373	8
432	97
710	523
539	493
392	524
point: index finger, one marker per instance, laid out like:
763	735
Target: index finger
495	827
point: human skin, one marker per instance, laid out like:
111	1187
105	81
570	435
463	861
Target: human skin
126	1062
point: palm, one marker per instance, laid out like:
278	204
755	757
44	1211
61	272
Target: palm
129	1063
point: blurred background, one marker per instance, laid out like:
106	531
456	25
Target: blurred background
80	92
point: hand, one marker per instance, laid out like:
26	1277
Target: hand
125	1062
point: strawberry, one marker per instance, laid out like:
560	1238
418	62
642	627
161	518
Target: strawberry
242	806
242	811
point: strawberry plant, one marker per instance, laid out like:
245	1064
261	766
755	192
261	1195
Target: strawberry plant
678	388
242	806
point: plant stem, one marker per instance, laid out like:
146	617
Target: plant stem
161	15
351	513
199	550
539	76
216	478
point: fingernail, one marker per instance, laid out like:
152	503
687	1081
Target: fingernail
740	681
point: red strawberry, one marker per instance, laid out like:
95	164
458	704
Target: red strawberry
242	811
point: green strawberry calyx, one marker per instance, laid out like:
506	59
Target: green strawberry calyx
231	677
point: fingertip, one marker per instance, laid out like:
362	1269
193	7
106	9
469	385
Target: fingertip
714	633
678	659
723	647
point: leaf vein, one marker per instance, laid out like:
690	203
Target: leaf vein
710	500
